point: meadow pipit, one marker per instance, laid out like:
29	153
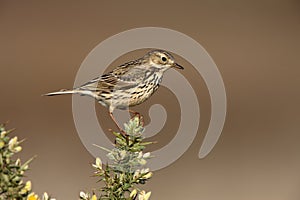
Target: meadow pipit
129	84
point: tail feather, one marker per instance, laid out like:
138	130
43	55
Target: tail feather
60	92
75	91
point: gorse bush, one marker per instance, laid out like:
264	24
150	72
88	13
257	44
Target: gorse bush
121	178
12	171
126	171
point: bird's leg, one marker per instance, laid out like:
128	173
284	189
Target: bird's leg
134	112
114	120
138	115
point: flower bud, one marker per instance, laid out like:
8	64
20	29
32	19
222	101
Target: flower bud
1	144
148	175
133	193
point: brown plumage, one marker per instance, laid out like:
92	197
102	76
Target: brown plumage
129	84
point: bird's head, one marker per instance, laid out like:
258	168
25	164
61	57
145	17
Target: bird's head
162	60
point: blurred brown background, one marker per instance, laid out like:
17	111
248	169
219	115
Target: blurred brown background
255	44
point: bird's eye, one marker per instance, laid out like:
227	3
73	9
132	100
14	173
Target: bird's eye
164	59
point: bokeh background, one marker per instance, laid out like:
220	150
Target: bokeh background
255	45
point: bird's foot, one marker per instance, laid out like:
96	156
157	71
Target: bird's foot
137	114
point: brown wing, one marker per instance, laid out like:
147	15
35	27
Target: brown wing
123	77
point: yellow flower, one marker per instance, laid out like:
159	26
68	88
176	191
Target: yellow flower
32	196
133	193
12	143
3	134
28	185
1	144
143	195
147	195
98	164
27	188
18	149
148	175
94	197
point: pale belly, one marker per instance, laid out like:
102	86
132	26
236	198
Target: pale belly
123	99
132	97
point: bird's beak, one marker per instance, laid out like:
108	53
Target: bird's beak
177	66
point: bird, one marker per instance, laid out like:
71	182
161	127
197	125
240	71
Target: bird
128	84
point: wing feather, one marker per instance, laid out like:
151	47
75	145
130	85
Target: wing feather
123	77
